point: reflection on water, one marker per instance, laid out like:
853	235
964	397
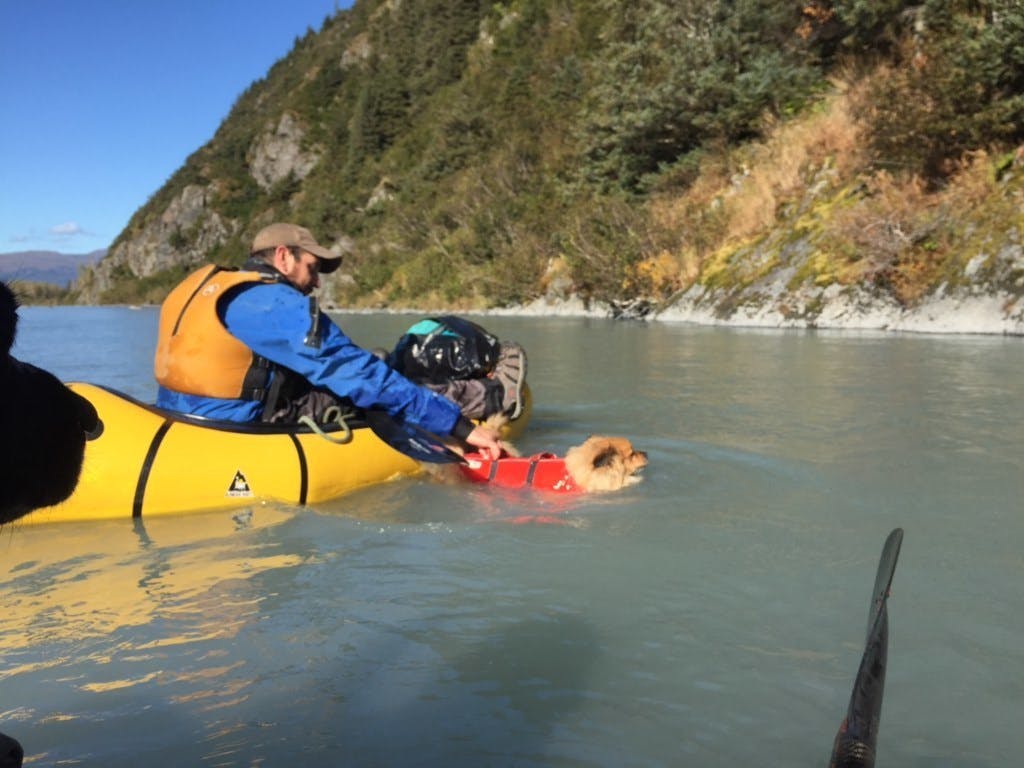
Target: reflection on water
108	611
124	576
710	616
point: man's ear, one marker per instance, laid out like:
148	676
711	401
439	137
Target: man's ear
283	259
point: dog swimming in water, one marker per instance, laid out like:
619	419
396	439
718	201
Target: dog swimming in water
605	463
599	464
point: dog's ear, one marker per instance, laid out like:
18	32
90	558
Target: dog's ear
606	457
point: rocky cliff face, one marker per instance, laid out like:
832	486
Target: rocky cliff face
789	279
163	244
188	228
771	304
278	154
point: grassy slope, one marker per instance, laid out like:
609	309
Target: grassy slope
807	205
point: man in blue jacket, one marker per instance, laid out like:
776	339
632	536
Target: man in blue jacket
252	345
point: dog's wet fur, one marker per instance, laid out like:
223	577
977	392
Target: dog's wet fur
604	463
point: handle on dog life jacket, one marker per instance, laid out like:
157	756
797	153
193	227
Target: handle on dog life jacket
542	470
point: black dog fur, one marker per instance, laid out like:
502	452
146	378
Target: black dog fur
11	753
43	430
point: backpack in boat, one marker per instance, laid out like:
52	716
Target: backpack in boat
441	349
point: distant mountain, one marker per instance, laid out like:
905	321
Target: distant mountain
46	266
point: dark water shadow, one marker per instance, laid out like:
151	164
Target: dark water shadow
500	702
538	667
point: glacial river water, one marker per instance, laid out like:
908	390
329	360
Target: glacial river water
713	615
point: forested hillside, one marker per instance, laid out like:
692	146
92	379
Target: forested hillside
473	154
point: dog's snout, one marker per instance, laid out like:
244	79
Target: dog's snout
95	431
88	418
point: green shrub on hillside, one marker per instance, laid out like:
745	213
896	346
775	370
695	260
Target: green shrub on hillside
873	28
958	86
676	76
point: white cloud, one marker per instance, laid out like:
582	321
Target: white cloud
68	235
67	229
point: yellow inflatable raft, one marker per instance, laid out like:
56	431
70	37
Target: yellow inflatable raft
148	461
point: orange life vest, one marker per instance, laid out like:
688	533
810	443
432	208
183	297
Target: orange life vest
542	470
195	354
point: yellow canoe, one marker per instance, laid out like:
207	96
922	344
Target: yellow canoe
148	462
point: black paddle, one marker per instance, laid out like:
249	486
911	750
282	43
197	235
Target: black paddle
855	742
883	579
411	440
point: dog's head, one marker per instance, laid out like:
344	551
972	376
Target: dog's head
615	449
605	463
43	428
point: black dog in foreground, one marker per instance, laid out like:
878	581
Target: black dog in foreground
43	429
11	753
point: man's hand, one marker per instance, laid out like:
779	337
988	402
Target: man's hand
486	441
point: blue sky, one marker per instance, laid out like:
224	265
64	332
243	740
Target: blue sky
104	99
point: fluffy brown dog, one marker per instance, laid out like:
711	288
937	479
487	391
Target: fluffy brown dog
605	463
600	464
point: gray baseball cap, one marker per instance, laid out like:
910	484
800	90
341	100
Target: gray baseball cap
294	236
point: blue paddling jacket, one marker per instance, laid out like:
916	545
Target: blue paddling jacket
278	323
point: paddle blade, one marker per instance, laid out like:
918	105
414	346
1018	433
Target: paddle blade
883	578
854	745
413	441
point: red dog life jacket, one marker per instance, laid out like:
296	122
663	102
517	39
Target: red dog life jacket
542	470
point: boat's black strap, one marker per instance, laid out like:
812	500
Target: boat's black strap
303	470
147	467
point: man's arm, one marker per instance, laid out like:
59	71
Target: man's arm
273	321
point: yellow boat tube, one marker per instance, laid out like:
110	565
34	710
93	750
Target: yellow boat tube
148	462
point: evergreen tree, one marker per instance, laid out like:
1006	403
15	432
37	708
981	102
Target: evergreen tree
380	112
679	75
958	86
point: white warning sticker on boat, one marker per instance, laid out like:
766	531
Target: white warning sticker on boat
239	486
